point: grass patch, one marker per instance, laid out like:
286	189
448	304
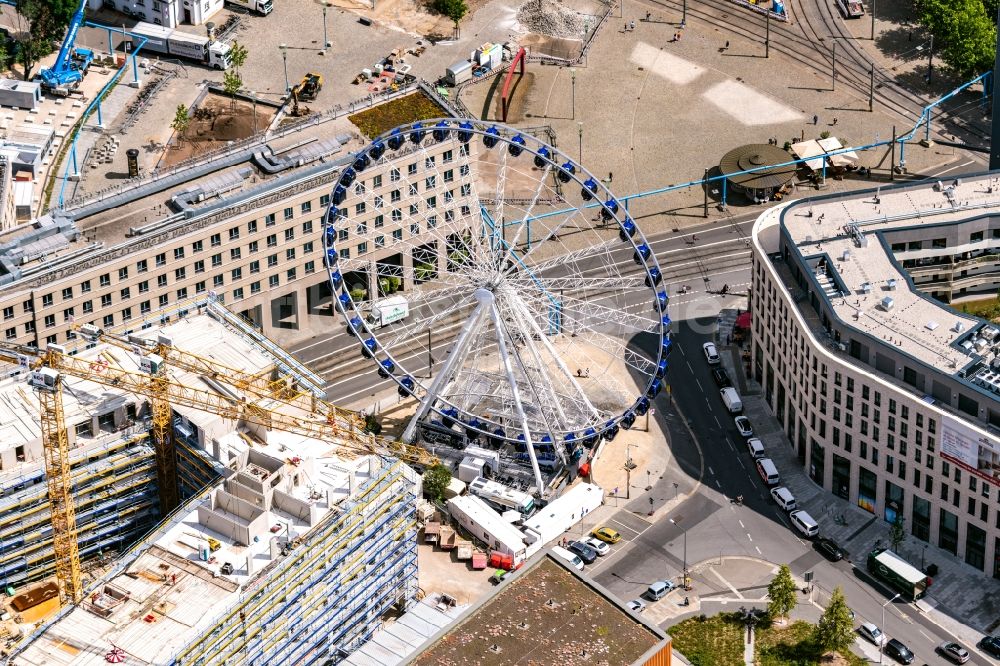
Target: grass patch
382	118
792	645
987	308
715	641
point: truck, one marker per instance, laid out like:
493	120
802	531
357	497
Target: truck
262	7
458	73
502	496
388	310
310	86
179	44
898	574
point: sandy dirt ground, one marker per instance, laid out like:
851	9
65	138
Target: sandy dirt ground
213	124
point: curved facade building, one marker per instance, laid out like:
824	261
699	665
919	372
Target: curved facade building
890	398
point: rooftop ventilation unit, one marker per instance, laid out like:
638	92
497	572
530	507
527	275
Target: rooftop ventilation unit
846	255
958	327
888	304
891	285
990	333
866	288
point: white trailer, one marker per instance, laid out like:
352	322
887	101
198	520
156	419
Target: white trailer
262	7
502	496
479	520
562	513
388	311
183	45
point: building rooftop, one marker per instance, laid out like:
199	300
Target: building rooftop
545	614
867	287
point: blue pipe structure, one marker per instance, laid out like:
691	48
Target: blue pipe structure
924	119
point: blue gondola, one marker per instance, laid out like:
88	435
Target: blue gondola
569	439
440	132
610	430
465	132
330	236
417	134
516	145
519	445
628	419
661	368
667	346
662	301
653	278
361	162
368	348
339	194
448	416
641	254
589	437
543	157
654	388
386	368
345	302
331	258
666	321
354	325
377	150
395	139
405	386
473	428
491	137
628	229
642	406
588	190
566	172
498	437
609	210
336	278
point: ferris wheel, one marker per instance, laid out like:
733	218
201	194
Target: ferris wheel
542	296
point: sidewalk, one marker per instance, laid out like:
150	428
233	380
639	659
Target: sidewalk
962	600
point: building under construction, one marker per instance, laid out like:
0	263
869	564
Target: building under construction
287	546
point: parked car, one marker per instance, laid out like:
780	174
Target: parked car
711	353
721	377
586	553
756	448
829	549
607	535
898	651
598	545
637	605
659	589
872	633
990	645
952	651
784	498
744	426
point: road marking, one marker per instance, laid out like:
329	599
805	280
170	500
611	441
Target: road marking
690	369
636	532
957	166
922	633
757	548
718	484
711	471
749	537
742	526
696	381
717	421
727	583
740	461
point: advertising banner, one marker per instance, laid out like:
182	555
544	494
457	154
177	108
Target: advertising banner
968	448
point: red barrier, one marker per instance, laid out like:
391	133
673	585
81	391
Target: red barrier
504	95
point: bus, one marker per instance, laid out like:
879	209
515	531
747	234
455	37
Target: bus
898	574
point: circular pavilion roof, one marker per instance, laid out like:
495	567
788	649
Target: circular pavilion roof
752	156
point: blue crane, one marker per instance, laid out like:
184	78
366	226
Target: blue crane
70	65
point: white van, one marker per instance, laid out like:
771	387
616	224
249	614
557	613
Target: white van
659	589
572	558
732	400
768	472
755	447
804	523
784	498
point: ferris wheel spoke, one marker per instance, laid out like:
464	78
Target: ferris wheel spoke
610	282
587	312
567	260
524	221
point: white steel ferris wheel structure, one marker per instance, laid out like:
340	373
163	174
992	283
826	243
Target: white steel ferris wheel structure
539	278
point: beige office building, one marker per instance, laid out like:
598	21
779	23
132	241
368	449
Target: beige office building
890	398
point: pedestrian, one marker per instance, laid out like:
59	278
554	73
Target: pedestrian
727	44
625	29
815	119
647	15
834	121
631	25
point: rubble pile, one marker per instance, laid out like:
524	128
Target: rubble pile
547	17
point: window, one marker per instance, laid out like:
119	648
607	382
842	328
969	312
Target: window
106	300
396	215
362	248
218	280
216	240
8	312
379	201
255	287
197	246
67	295
11	333
289	213
975	236
141	266
430	182
178	253
164	300
272	240
29	327
144	286
126	314
273	281
67	314
109	320
307	227
199	266
307	247
272	260
144	307
289	234
234	233
449	175
269	220
429	162
393	175
252	226
290	254
237	293
180	273
88	307
161	280
432	221
414	189
46	300
379	221
126	294
394	196
182	293
415	229
413	209
446	156
310	267
379	241
161	259
290	274
255	267
199	287
253	247
235	254
216	260
397	235
359	209
306	207
237	274
411	169
50	321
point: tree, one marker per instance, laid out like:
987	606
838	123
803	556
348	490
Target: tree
835	631
964	33
181	121
436	480
453	9
897	532
238	57
40	24
231	83
782	592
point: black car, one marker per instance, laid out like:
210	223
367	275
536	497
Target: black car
990	645
586	553
721	377
898	651
829	549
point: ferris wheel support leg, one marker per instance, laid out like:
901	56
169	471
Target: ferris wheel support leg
516	396
457	354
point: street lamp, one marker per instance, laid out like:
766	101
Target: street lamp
684	531
253	99
572	74
881	645
580	127
326	5
284	56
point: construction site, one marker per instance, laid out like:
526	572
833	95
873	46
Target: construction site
196	502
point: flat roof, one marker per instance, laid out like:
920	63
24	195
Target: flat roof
545	614
846	231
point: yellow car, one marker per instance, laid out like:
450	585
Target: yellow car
606	534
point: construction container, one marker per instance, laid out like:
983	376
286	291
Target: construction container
479	560
447	539
463	549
